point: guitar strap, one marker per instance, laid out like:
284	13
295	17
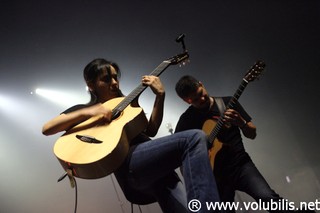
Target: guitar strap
220	103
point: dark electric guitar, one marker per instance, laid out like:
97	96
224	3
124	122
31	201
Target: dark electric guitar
212	127
94	150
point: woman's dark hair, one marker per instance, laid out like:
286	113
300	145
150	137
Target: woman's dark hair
93	70
186	86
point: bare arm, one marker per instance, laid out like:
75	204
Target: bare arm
248	129
158	107
64	122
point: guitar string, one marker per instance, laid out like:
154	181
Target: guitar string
124	103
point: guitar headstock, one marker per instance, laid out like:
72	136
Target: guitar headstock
178	59
255	71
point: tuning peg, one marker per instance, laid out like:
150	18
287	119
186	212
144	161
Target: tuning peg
184	63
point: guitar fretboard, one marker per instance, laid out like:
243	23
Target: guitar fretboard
230	105
138	90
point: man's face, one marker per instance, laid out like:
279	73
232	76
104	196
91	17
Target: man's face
199	99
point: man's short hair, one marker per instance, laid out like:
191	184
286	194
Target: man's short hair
186	86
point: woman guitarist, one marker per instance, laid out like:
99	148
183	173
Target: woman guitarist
148	168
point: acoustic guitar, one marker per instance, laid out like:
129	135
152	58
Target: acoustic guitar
212	127
94	150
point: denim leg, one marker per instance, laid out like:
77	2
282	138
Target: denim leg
172	198
226	190
155	159
197	172
253	183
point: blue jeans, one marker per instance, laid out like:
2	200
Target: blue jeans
153	160
248	179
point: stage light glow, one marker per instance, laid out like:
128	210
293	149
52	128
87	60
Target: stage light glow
20	111
7	103
64	98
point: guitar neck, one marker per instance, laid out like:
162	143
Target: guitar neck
230	105
138	90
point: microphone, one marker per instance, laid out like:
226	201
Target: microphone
180	38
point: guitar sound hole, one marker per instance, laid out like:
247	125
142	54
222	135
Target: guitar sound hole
88	139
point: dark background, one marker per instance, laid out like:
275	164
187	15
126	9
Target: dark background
46	44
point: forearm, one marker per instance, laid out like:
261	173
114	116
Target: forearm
156	115
249	130
63	122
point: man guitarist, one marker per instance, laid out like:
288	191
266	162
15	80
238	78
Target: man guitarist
233	167
148	169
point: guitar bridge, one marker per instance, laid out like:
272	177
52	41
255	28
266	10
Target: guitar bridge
88	139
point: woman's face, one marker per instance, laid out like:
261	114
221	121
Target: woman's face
106	86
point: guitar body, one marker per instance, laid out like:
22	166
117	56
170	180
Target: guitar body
207	127
90	160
